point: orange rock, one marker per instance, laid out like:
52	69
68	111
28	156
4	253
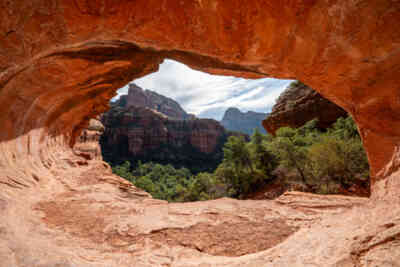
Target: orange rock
60	63
88	145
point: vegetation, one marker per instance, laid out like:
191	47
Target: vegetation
306	158
175	185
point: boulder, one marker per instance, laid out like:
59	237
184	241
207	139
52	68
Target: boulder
299	104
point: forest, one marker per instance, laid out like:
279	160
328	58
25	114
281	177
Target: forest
303	159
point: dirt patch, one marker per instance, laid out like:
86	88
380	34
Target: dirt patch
227	239
75	218
232	236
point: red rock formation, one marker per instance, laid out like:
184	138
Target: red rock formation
299	104
146	98
145	130
60	63
88	145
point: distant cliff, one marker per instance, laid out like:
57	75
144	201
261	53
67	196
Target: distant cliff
139	133
146	126
149	99
299	104
244	122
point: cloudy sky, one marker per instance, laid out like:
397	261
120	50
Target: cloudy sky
208	96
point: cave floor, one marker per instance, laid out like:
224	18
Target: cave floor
95	218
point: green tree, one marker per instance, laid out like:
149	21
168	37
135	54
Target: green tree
205	186
237	163
237	154
291	149
344	128
124	171
343	161
262	158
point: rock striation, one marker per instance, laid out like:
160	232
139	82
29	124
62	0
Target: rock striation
244	122
61	62
299	104
138	133
149	99
147	130
88	145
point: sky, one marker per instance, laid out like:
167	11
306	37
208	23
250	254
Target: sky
208	96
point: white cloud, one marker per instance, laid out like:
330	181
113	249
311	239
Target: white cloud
210	95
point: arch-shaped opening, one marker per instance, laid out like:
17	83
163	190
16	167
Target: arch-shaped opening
152	141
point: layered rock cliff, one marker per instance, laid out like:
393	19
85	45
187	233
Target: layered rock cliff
137	133
60	64
149	99
299	104
244	122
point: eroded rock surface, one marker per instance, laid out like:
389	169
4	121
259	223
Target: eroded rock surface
105	220
88	145
299	104
60	63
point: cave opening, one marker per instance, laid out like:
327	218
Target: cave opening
174	133
61	62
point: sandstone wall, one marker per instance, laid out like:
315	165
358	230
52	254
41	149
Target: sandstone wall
60	63
88	145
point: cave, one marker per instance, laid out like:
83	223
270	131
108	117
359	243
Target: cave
181	118
62	61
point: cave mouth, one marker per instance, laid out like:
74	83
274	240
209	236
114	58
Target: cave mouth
61	62
147	128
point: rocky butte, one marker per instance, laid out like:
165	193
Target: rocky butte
244	122
60	64
149	99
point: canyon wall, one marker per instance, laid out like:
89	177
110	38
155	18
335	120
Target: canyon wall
61	62
136	133
146	126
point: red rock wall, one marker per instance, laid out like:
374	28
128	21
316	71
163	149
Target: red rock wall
144	130
61	61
